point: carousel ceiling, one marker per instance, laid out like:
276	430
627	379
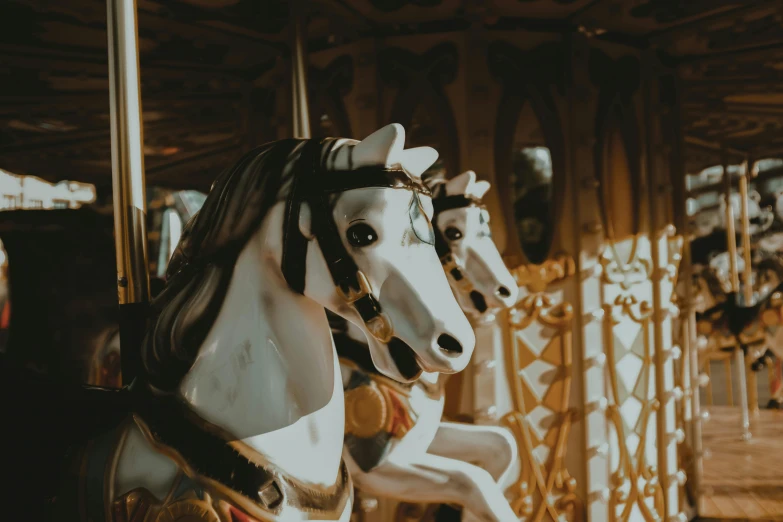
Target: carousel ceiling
200	58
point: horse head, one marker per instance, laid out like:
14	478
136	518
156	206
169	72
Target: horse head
402	301
480	279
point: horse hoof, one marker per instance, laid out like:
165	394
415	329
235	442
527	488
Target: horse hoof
773	404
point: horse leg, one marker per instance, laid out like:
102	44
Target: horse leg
492	448
431	479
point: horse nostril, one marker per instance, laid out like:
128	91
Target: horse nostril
503	291
449	344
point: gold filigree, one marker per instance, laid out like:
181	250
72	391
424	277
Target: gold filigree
536	278
634	480
542	488
615	272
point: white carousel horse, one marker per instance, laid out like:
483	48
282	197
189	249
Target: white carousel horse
760	218
396	443
239	410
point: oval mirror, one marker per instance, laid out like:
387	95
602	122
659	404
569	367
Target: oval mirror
531	187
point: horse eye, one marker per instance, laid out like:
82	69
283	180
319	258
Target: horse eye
453	233
361	235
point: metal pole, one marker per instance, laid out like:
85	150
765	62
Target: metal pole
747	285
128	181
743	393
731	235
299	62
744	182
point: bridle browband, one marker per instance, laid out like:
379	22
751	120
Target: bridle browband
442	203
314	184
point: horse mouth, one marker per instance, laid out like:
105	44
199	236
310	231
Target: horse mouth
404	358
478	301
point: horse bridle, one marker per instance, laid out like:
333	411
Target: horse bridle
314	184
456	272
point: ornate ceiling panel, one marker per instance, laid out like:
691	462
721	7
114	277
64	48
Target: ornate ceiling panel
200	61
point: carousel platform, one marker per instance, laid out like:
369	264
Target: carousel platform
742	480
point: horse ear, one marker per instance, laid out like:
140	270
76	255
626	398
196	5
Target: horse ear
416	161
305	221
479	189
380	147
460	184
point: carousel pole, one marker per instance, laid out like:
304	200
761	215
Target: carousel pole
731	237
299	62
128	181
731	234
747	275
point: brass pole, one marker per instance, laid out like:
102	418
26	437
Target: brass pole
747	174
747	290
731	235
299	62
128	180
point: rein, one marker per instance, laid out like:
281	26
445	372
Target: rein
314	184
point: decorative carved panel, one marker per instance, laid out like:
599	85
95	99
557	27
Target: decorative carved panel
539	356
420	81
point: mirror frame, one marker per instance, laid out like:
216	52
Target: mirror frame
511	66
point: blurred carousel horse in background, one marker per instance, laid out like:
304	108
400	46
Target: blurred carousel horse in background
726	324
397	444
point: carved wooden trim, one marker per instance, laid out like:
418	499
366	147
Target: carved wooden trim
617	82
543	488
421	79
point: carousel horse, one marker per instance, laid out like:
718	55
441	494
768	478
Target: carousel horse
727	323
396	443
238	408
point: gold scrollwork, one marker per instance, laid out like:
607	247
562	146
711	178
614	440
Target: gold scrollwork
616	272
634	481
536	278
543	488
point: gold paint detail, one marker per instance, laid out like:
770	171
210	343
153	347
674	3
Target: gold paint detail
635	481
365	411
381	405
188	510
536	278
379	326
544	489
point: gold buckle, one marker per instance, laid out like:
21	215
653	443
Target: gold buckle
352	295
381	328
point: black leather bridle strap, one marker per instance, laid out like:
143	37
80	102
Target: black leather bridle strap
294	259
313	185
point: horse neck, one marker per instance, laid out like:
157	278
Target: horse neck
268	359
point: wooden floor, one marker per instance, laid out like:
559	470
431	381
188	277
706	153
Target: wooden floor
742	480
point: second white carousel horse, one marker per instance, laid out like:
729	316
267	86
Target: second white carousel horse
239	410
396	443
